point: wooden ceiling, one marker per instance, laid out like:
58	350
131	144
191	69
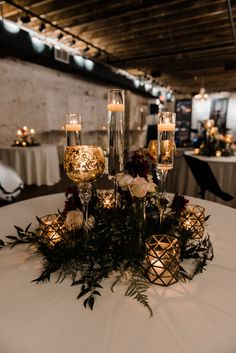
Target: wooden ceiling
184	44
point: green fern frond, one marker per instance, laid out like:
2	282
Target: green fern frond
137	290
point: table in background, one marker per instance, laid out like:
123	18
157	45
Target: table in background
198	316
37	165
181	180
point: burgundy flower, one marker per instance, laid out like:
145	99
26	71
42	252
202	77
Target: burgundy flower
178	203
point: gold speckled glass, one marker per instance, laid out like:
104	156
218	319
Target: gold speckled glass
84	163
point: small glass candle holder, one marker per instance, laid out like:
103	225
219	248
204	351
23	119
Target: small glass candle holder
163	255
50	229
73	129
106	198
193	219
209	123
218	153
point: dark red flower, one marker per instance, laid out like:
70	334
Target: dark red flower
178	203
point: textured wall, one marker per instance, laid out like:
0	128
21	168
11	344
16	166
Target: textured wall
39	97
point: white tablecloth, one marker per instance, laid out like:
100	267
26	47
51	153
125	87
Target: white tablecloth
181	180
37	165
193	317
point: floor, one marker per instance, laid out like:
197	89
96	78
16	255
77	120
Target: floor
31	191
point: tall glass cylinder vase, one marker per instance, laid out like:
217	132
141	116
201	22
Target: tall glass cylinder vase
165	150
73	130
139	217
115	109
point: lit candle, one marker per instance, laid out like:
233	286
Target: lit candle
163	253
166	127
228	138
115	107
209	123
73	127
50	226
158	265
19	133
196	150
32	131
218	153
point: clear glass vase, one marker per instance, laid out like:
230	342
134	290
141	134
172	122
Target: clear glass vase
139	219
115	110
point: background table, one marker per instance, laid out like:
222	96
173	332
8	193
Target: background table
193	317
37	165
181	180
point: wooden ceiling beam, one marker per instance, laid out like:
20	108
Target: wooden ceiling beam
164	17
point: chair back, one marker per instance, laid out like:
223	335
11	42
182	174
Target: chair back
205	178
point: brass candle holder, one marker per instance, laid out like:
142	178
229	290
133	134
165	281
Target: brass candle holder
50	229
193	219
163	254
106	198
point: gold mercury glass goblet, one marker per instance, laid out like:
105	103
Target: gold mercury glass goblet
83	164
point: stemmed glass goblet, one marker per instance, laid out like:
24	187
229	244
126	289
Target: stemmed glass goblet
83	164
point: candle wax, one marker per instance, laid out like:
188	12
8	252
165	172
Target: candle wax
115	107
166	127
73	127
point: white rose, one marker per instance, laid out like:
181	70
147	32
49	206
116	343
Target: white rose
124	180
91	222
139	187
74	220
152	187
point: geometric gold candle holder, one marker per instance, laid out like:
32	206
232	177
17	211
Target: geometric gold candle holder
162	262
50	229
106	198
193	219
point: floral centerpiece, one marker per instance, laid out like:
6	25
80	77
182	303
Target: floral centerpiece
120	238
25	138
214	143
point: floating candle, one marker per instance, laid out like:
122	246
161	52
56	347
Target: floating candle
115	107
166	127
73	127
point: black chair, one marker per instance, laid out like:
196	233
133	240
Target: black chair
205	178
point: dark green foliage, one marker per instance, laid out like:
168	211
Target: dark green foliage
1	243
114	244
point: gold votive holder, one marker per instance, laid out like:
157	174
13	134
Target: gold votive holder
218	153
50	229
162	261
193	219
196	151
106	198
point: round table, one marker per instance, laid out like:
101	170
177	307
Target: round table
198	316
181	180
37	165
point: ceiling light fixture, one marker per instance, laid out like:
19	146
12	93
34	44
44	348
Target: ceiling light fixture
85	50
42	27
25	19
60	36
72	42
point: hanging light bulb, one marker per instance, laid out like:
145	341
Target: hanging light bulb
202	95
